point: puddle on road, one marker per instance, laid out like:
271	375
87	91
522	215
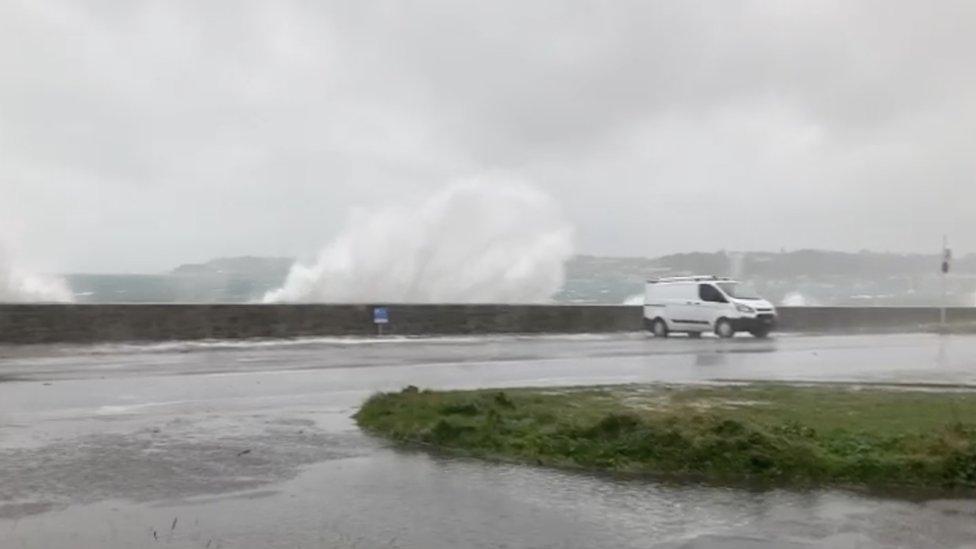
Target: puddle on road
405	499
163	463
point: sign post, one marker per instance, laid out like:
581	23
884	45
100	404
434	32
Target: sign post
381	317
946	258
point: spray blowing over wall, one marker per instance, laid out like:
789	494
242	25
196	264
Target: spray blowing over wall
487	240
19	286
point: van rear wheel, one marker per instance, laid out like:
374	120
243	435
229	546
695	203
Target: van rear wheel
659	328
724	328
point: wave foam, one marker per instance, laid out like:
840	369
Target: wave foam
18	286
477	241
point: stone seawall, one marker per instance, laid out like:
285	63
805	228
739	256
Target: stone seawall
872	319
56	323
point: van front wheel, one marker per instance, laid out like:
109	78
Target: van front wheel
724	329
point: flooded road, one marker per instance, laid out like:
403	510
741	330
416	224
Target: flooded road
250	444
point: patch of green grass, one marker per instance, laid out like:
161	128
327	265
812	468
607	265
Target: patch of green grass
768	432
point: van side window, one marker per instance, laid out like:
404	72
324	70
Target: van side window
707	292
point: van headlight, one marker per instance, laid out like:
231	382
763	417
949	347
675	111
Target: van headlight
744	309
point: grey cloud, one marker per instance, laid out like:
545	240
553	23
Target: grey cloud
137	135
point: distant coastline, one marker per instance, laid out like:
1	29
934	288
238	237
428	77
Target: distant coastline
801	277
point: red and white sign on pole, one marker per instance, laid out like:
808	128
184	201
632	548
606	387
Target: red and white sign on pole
946	258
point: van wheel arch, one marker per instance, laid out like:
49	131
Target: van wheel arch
724	328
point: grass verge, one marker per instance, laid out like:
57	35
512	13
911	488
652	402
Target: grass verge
766	432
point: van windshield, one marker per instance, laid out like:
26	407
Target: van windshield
739	291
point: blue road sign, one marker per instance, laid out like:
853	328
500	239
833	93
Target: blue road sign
381	315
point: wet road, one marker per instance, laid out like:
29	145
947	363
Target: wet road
250	445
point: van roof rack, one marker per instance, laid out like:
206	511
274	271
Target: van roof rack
697	278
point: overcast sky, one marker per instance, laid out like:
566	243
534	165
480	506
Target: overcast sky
135	136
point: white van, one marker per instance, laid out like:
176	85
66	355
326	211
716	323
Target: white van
696	304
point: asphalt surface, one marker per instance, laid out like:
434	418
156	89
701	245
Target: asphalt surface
250	444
